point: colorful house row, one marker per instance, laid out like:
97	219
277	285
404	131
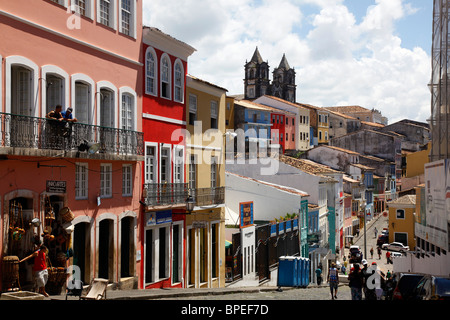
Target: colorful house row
120	193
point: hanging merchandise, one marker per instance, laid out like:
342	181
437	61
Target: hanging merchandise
16	226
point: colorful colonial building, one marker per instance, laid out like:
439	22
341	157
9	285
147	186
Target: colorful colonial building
165	189
84	55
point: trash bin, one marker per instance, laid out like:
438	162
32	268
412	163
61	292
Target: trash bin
287	272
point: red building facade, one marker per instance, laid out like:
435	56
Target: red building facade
165	187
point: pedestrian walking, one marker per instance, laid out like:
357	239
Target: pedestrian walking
388	257
319	275
371	253
379	253
356	282
369	290
333	280
40	268
375	231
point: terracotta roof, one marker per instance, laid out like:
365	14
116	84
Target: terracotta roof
284	101
339	149
349	109
308	166
405	200
373	124
346	116
206	82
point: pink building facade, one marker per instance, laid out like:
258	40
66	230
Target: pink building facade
85	55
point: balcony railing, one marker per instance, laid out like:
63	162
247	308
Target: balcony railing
165	194
208	196
40	133
172	194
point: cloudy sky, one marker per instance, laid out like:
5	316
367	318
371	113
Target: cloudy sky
372	53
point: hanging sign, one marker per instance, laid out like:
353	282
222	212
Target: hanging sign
246	213
56	186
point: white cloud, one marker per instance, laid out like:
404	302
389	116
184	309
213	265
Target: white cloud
337	60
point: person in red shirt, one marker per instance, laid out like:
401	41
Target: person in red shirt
40	268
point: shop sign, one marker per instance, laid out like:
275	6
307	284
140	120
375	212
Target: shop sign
53	186
288	225
154	218
246	213
199	224
295	224
281	228
273	230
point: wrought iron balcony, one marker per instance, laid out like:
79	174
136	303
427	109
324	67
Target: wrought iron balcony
165	194
40	133
208	196
175	194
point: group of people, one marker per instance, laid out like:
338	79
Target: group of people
60	115
369	280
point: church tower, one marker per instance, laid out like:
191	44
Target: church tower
256	82
283	84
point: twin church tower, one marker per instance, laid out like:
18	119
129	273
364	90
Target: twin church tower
257	81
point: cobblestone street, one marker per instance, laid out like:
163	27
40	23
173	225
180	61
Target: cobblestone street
313	293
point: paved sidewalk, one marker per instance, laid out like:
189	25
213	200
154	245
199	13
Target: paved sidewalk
150	294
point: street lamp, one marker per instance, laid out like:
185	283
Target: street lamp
190	203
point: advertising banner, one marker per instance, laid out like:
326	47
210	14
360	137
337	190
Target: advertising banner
436	180
246	213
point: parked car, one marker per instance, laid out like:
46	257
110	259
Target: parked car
395	246
382	239
356	255
405	285
432	288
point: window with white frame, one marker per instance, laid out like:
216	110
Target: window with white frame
127	17
21	90
83	7
128	112
165	77
106	180
83	103
214	114
105	13
150	72
165	164
55	92
81	181
107	108
192	109
127	182
150	164
178	83
178	164
193	172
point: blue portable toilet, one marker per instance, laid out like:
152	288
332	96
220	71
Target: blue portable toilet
307	271
300	270
287	272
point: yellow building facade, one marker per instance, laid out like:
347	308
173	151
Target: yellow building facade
402	220
205	173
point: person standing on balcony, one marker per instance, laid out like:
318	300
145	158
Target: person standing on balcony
55	114
68	116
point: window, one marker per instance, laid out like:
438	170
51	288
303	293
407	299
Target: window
150	70
179	93
106	180
214	250
165	77
81	181
127	17
83	7
150	164
214	113
21	91
106	108
82	103
105	13
192	172
127	183
192	109
128	112
178	164
165	164
55	92
213	172
400	214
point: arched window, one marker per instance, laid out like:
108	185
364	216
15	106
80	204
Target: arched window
165	77
150	72
179	83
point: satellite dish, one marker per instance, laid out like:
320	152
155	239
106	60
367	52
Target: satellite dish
90	147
